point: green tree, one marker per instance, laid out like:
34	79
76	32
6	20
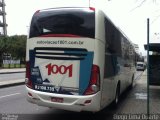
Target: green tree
4	47
14	45
18	48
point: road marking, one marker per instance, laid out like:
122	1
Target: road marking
142	96
9	95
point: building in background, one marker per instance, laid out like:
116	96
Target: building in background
136	48
139	56
3	25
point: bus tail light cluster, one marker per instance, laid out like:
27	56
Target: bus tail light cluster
94	85
28	81
92	8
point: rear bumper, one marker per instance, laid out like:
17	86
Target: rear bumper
140	68
70	102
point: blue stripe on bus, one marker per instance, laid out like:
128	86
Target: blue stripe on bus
85	72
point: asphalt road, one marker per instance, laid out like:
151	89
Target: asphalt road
13	104
154	100
12	76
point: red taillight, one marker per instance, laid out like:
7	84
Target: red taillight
92	8
94	84
59	35
28	81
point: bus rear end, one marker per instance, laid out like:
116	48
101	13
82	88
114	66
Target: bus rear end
60	68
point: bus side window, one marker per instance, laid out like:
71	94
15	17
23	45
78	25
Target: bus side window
111	50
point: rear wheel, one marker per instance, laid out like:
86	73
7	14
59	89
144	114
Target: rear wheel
116	100
132	83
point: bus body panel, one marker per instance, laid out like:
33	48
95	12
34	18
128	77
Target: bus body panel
51	86
70	102
118	61
99	25
60	74
62	67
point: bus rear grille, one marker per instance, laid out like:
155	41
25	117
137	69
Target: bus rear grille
60	53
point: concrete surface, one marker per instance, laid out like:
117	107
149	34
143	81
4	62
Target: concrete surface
11	82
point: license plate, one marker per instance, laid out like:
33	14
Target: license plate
56	99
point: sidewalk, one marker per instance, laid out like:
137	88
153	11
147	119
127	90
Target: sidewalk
154	94
12	82
12	70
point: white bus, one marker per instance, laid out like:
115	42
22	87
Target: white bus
77	60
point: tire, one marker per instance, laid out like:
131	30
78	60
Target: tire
131	85
117	95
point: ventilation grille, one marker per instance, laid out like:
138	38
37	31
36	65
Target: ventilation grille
60	53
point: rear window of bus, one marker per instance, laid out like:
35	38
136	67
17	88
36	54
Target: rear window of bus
80	22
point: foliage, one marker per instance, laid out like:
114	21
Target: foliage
14	45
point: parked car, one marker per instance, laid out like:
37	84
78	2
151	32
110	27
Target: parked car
140	66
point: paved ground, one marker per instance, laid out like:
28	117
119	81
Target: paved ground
15	70
11	82
13	101
154	95
154	100
137	98
132	102
12	76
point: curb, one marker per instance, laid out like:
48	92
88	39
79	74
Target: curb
12	72
12	83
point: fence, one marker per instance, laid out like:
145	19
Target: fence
12	64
